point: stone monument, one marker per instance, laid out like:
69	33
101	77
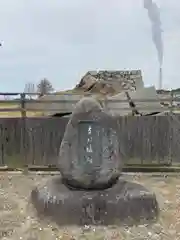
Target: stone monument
90	189
89	156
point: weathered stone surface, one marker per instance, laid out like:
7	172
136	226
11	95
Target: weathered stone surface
149	106
111	82
87	81
124	203
101	170
152	103
120	108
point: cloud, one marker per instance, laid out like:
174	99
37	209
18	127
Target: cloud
63	39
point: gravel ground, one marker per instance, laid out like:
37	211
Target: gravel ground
18	219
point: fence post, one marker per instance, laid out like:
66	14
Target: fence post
171	102
23	110
23	118
2	163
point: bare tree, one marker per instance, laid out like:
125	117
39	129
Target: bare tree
29	88
44	87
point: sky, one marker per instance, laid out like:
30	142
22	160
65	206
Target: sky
63	39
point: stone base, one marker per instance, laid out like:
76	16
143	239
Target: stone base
73	184
124	203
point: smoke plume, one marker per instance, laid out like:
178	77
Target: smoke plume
154	16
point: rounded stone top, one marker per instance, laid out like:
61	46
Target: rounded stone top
89	155
87	104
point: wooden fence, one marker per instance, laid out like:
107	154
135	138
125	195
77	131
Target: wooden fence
36	141
23	104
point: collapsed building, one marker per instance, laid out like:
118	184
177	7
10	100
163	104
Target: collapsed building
121	92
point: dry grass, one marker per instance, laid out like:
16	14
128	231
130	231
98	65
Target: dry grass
13	114
17	114
18	217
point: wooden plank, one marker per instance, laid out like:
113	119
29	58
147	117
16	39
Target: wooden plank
143	140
